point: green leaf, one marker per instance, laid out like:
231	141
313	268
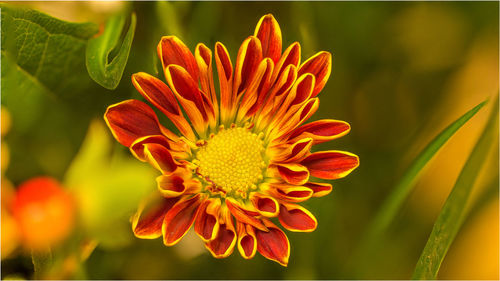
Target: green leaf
107	71
393	203
42	59
454	210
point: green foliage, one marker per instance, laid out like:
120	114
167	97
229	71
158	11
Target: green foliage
42	58
394	201
108	186
102	67
454	210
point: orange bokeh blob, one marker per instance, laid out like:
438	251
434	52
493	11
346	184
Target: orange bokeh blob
44	211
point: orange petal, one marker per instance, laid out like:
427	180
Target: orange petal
321	131
274	244
265	205
130	120
319	65
293	173
148	220
157	93
293	152
203	56
223	245
296	218
290	193
319	189
159	157
187	92
172	50
291	56
244	215
207	219
178	183
247	242
331	164
302	115
247	61
225	72
179	219
137	147
258	87
269	33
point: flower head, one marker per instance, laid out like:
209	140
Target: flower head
242	159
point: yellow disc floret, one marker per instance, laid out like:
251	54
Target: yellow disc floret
232	160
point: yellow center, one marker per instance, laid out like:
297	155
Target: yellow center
232	160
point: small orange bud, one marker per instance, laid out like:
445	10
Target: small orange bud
44	212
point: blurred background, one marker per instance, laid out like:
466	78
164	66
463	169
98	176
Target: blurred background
402	71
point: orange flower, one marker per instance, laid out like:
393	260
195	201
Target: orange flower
243	159
44	213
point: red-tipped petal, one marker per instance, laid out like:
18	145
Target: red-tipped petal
321	130
269	33
293	173
207	219
319	189
290	193
247	61
243	215
291	56
274	244
331	164
172	50
294	152
130	120
159	156
148	220
223	245
247	243
265	205
156	92
179	219
296	218
319	65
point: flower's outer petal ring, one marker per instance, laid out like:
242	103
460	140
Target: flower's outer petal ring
147	221
179	219
130	120
274	244
319	65
269	33
172	50
331	164
297	218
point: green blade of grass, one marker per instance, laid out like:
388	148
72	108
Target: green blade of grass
454	211
396	198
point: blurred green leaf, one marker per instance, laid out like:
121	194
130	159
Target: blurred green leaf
108	186
107	71
42	262
42	58
454	210
168	18
394	201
